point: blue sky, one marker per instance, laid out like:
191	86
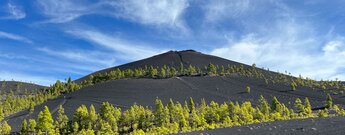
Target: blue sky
45	40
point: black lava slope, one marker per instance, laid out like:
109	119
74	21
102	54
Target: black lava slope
172	59
19	87
311	126
125	92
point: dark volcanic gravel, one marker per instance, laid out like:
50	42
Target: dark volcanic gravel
7	86
123	93
311	126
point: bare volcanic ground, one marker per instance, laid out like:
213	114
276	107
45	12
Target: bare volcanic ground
19	87
311	126
172	59
123	93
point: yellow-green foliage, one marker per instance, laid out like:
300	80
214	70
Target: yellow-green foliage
322	113
329	101
170	118
5	129
248	89
12	104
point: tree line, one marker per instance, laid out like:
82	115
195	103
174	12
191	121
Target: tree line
13	103
269	78
174	117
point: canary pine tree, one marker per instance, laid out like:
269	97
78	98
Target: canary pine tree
45	122
61	121
5	129
307	107
329	101
212	70
299	106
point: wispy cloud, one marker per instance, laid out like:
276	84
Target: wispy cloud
127	50
15	12
290	45
165	13
63	11
157	12
14	37
221	9
92	57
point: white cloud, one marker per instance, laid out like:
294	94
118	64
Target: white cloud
14	37
42	80
290	46
62	11
279	39
92	57
127	50
151	12
15	12
159	12
221	9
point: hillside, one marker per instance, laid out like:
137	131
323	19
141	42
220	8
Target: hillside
311	126
19	87
172	59
125	92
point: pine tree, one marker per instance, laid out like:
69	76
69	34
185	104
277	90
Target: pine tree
307	107
293	85
81	116
168	70
173	71
152	72
45	121
264	107
86	132
31	107
24	129
329	101
191	70
160	113
92	115
191	105
195	120
32	126
247	89
275	106
323	113
183	122
247	112
286	114
75	127
105	128
62	120
233	109
162	73
227	122
137	73
299	106
5	129
212	70
222	70
129	73
1	114
110	114
172	111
